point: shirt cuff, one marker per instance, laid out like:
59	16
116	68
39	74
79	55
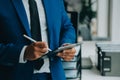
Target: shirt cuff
21	58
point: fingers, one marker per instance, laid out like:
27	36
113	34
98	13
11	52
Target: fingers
41	44
41	47
36	50
68	54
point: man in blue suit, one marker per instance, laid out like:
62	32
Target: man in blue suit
17	54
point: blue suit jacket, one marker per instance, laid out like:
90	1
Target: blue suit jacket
14	23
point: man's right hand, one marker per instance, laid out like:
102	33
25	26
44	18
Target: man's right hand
35	50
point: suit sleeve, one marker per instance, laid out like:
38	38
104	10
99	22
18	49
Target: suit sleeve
67	30
10	53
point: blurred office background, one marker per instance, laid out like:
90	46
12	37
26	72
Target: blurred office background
95	21
100	18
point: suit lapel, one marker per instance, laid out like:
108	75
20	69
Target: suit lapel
22	14
46	4
49	20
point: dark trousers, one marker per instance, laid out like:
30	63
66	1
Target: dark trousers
42	76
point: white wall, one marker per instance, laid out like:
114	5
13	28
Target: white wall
102	17
115	21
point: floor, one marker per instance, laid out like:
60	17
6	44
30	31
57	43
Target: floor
89	50
93	74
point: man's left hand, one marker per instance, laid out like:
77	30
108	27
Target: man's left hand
67	54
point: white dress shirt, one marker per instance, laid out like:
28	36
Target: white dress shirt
45	67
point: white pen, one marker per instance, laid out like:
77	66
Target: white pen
29	38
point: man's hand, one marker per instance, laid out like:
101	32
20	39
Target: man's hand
67	54
35	50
